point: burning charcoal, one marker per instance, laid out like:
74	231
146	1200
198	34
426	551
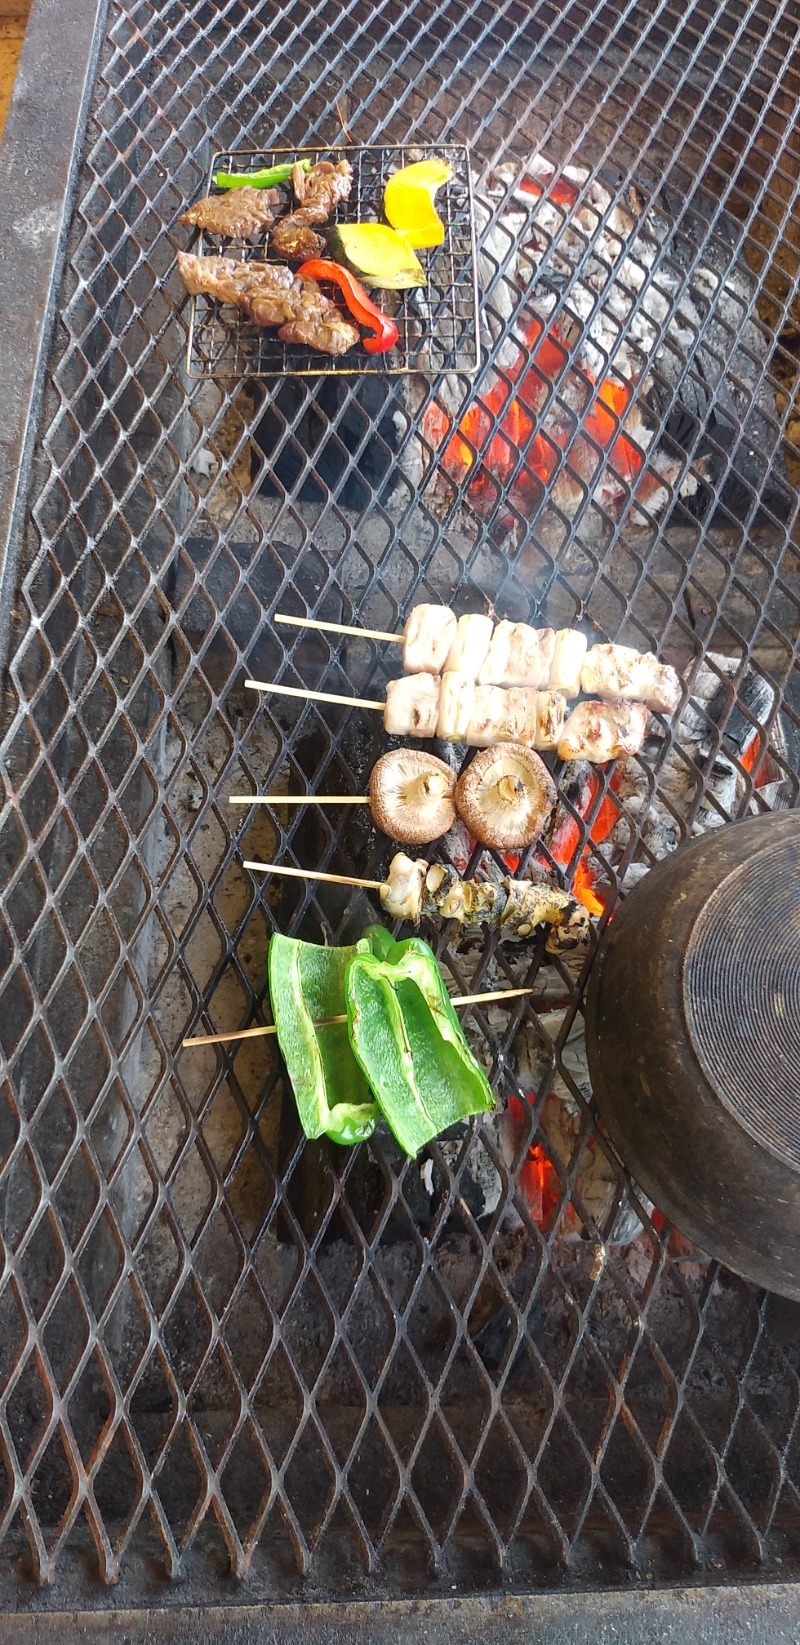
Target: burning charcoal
480	1184
659	430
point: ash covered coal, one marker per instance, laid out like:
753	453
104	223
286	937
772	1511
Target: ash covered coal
626	360
712	394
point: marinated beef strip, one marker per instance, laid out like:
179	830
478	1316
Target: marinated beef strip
234	282
318	192
295	241
271	295
328	332
237	213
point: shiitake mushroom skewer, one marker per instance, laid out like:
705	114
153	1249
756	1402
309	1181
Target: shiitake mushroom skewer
504	797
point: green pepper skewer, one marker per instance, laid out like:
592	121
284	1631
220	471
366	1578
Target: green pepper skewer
493	995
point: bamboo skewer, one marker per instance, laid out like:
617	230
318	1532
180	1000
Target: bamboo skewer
312	696
313	874
326	1022
339	628
298	799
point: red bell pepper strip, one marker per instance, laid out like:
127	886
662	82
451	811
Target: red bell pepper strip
359	304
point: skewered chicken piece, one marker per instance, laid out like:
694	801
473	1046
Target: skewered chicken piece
518	655
429	633
515	654
450	706
502	716
550	711
603	731
412	706
636	676
594	731
456	706
515	908
472	641
238	212
565	668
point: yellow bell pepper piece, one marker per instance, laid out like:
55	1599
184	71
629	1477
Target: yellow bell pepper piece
408	202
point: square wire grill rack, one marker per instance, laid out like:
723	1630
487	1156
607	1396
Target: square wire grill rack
437	325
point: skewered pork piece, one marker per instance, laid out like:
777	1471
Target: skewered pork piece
603	731
238	212
518	655
637	676
271	296
513	907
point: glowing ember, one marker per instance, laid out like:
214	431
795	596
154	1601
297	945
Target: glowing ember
568	837
750	757
501	425
583	888
537	1180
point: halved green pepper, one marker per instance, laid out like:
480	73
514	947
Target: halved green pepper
410	1044
306	988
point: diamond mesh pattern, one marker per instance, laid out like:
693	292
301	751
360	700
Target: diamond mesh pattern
218	1341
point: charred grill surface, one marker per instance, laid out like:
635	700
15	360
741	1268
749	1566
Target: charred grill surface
222	1350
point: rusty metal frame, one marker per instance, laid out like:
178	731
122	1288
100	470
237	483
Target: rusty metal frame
38	168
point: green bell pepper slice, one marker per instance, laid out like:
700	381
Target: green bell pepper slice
270	177
379	940
306	989
410	1044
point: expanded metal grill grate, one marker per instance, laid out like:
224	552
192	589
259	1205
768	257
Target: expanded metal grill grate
437	326
220	1346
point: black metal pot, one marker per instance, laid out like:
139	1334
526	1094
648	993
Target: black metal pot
693	1039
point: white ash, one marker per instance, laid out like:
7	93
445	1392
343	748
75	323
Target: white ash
480	1183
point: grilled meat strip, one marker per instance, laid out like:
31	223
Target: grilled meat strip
295	241
318	191
271	295
321	189
238	212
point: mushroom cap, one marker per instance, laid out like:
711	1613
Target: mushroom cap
411	796
505	796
